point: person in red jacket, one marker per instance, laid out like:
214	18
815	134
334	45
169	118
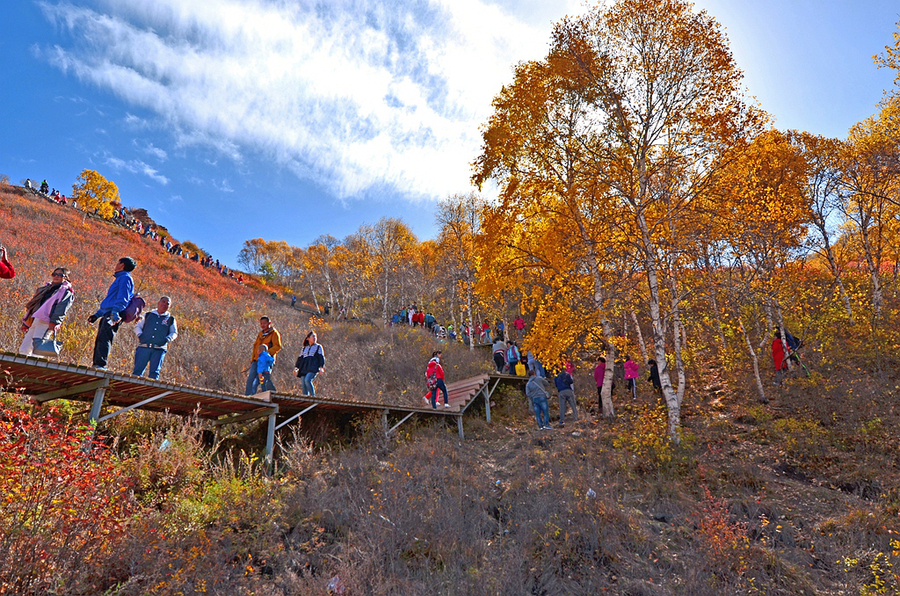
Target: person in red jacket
434	375
6	268
779	357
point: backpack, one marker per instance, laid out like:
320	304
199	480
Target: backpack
431	378
792	342
133	311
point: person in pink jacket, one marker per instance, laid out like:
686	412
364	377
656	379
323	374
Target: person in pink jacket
631	374
599	371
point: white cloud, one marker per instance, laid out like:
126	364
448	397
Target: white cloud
136	166
150	149
353	94
223	186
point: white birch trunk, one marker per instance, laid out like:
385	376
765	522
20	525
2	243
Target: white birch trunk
637	328
659	338
759	384
606	402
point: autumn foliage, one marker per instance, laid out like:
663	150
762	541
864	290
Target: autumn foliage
63	507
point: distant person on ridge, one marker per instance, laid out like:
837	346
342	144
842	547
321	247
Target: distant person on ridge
45	312
120	293
267	335
310	363
6	269
155	330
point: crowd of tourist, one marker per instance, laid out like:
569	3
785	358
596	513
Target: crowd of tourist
121	216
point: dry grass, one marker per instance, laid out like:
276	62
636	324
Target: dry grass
798	497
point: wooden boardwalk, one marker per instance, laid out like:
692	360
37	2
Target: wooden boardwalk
46	380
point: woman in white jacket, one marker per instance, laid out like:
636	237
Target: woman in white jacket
45	312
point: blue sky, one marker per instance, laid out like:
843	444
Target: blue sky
235	119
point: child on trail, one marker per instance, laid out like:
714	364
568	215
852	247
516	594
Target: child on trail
434	378
631	374
264	364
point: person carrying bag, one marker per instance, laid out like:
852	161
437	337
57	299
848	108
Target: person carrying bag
44	313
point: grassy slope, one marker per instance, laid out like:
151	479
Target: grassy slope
769	500
217	318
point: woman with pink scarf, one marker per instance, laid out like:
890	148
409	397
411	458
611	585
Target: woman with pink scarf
46	310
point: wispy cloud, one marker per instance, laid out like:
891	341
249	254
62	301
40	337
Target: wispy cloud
354	94
148	148
136	166
222	186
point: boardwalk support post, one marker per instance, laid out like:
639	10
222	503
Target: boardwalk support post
98	402
384	421
270	441
96	406
487	398
462	435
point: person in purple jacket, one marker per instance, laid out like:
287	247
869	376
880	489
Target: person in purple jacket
110	312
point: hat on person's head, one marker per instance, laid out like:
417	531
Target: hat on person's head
128	263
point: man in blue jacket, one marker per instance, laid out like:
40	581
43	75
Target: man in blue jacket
155	330
111	309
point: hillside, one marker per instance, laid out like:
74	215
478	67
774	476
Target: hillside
799	496
217	318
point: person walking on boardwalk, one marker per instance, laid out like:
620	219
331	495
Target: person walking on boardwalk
565	386
45	312
434	377
269	336
519	325
154	330
6	269
499	350
264	364
513	356
310	363
120	293
537	390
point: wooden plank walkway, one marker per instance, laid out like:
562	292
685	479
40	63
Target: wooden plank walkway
46	380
